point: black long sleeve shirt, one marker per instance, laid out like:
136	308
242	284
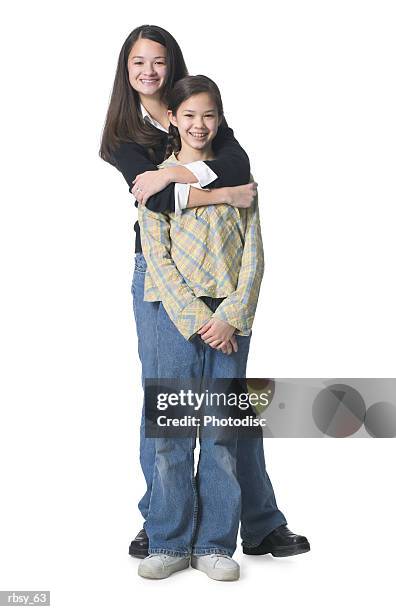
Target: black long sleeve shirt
231	166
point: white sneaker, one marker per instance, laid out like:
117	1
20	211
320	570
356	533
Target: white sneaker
162	566
218	567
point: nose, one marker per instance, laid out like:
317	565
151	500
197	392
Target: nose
149	69
199	122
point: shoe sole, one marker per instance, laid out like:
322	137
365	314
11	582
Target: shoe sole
138	554
280	551
146	572
221	575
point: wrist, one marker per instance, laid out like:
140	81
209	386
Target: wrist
224	195
167	175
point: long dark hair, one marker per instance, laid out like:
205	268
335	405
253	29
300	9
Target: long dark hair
124	120
184	89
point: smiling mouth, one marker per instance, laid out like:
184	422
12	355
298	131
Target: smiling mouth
198	135
149	81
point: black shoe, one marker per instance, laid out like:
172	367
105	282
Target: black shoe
280	543
139	546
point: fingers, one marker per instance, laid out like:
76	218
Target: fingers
234	343
212	339
220	345
137	193
216	343
209	335
141	195
253	187
226	347
205	327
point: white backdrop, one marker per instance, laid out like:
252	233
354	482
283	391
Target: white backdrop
309	88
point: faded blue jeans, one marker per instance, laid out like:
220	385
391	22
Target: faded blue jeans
259	512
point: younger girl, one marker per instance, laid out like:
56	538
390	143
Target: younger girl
205	266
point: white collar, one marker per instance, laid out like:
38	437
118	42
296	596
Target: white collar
153	122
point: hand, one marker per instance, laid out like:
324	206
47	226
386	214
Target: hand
232	346
217	333
241	196
149	183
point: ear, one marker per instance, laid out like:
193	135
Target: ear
171	118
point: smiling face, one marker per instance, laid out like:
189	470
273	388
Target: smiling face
147	67
197	120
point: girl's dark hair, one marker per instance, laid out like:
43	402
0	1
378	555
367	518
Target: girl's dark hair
184	89
124	120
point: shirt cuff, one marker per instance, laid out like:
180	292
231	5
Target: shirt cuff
182	191
192	318
202	172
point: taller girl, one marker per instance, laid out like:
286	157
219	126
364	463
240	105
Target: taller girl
134	140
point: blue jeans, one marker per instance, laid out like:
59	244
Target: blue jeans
259	512
146	331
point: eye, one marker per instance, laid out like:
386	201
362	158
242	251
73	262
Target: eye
189	115
161	63
137	63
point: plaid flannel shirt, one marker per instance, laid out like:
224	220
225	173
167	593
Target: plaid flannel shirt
213	251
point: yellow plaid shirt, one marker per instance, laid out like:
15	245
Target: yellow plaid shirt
213	251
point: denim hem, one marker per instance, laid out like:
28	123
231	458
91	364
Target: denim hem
167	551
200	552
252	542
